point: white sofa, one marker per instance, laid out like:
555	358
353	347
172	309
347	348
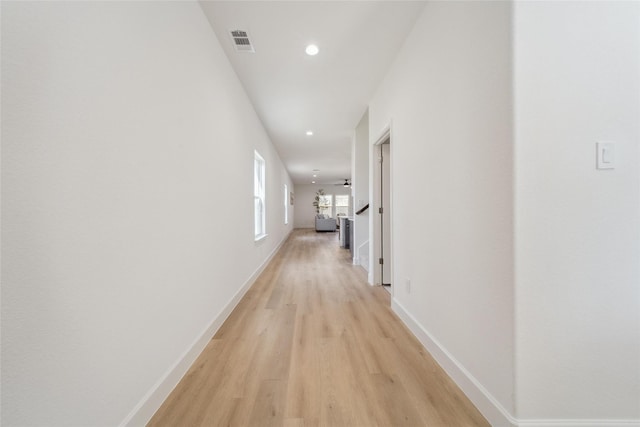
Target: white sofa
324	223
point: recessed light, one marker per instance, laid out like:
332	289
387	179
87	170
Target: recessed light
312	50
315	176
309	133
313	182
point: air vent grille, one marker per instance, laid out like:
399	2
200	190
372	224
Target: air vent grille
241	41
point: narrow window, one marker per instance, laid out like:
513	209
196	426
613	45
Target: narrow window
342	205
259	196
326	205
286	205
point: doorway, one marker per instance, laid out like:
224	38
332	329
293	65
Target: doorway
381	225
385	213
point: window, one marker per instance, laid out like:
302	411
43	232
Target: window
259	196
286	205
325	205
342	205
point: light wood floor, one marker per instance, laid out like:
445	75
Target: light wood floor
312	344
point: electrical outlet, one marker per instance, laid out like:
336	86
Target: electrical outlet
407	285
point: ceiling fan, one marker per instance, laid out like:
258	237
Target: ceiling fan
346	183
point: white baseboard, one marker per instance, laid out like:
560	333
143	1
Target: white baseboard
578	423
150	403
492	410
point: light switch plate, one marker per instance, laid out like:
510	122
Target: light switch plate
605	155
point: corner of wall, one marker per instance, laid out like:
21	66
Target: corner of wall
490	408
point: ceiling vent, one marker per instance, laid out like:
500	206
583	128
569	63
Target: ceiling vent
241	41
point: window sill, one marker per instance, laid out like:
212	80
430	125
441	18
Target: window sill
260	237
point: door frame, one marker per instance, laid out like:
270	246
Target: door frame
375	270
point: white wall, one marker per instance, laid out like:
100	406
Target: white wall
527	293
304	197
127	204
578	286
360	172
448	95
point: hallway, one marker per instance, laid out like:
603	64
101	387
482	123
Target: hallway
312	344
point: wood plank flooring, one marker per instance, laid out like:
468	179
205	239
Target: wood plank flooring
312	344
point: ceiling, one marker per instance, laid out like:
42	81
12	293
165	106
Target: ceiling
328	93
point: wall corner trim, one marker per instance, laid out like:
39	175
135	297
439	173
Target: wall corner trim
490	408
155	397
